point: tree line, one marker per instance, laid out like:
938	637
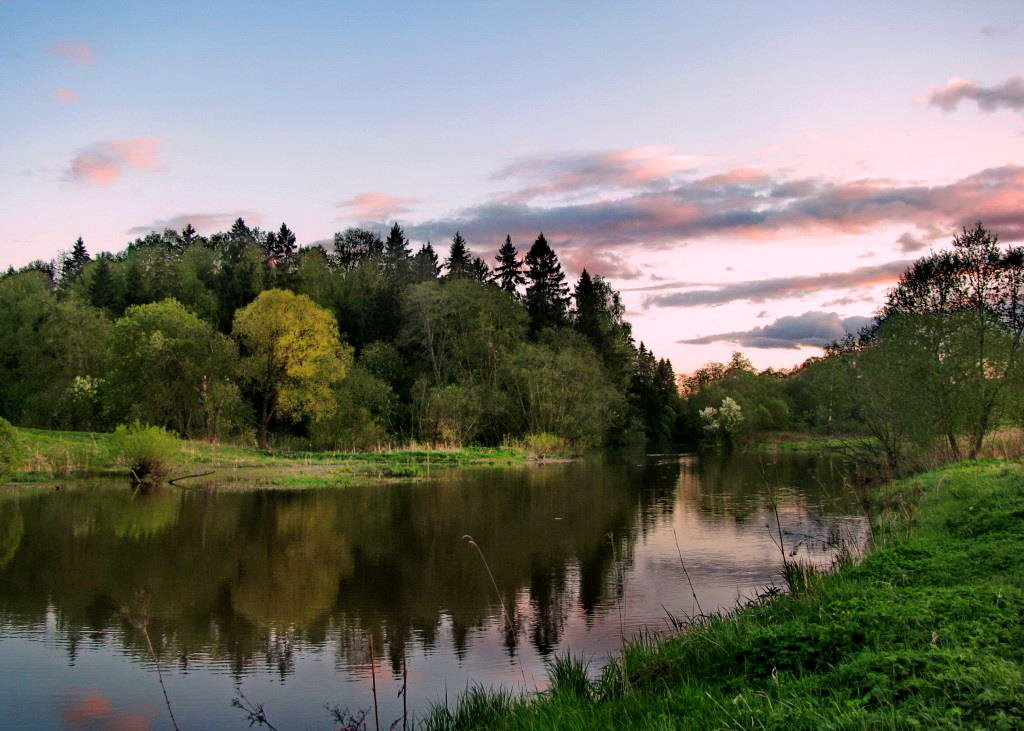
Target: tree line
934	375
347	345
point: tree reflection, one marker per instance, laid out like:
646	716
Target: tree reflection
246	577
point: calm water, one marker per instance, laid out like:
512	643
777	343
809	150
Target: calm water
278	593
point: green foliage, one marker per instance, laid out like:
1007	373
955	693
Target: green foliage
723	423
544	445
12	451
170	368
145	450
141	335
761	399
292	356
365	405
561	390
547	294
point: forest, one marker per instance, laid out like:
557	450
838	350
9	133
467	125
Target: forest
245	336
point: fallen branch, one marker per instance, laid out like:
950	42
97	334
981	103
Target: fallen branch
188	477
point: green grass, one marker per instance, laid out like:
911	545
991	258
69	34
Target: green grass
65	455
926	632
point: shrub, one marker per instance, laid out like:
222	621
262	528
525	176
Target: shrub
144	450
543	445
11	448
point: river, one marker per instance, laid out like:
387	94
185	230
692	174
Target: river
282	595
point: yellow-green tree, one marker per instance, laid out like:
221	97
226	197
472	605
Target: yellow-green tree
292	356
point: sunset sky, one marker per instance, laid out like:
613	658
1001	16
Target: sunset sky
750	175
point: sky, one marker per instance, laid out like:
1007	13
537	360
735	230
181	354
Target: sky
751	176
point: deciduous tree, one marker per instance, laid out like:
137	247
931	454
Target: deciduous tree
292	356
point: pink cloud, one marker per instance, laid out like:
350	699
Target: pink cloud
79	54
739	176
104	162
748	205
582	172
65	95
376	206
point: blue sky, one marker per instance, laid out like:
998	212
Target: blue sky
607	123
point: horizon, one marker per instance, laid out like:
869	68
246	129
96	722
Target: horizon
710	168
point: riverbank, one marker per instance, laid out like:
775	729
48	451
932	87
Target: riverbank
61	456
926	631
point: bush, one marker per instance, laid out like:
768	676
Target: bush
144	450
11	448
544	445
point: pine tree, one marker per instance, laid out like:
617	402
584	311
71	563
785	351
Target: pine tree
587	313
509	272
425	266
480	271
547	295
396	252
74	263
280	246
459	262
241	233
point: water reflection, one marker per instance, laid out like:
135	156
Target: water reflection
260	582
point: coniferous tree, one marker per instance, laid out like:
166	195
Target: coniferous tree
459	262
103	290
547	295
480	271
599	315
242	273
396	252
74	263
280	246
587	313
425	266
240	234
509	272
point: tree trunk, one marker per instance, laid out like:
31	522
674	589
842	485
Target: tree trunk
264	424
953	446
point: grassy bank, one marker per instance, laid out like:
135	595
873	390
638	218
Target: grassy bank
51	455
927	631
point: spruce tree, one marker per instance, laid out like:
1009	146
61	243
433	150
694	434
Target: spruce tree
459	262
74	263
280	247
509	272
425	266
396	252
103	292
547	295
480	271
241	234
587	316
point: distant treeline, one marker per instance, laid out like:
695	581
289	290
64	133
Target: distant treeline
938	370
361	343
